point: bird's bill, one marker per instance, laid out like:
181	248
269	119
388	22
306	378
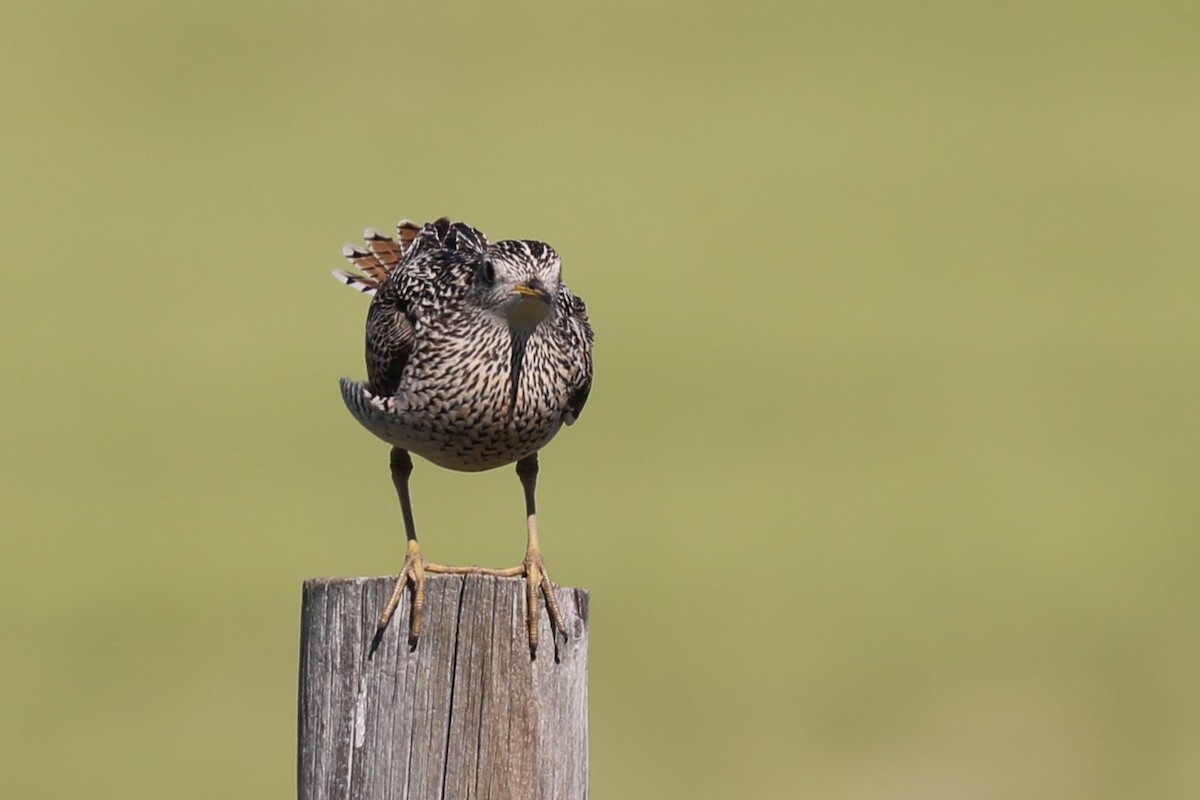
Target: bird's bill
528	291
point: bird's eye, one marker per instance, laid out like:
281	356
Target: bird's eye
487	271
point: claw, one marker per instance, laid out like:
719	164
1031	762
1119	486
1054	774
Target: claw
537	581
537	586
413	571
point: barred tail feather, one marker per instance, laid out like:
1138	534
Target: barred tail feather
406	233
356	282
381	258
386	252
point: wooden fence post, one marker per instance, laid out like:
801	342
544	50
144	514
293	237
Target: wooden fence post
467	714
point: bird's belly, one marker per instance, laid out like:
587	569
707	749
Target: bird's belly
465	440
459	427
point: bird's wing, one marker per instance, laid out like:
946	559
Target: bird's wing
580	331
458	237
390	339
396	272
576	402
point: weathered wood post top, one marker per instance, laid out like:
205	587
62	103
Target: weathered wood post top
467	713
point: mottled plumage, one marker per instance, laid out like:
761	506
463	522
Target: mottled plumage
476	352
448	377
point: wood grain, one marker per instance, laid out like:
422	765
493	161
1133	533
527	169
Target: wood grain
466	714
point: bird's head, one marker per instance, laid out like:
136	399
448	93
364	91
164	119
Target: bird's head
518	281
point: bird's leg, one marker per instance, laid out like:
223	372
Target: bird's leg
415	566
414	562
537	580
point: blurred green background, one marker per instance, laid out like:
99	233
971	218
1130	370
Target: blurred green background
887	486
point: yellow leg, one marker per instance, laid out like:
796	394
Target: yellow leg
537	580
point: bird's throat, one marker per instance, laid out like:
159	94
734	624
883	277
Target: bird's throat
527	313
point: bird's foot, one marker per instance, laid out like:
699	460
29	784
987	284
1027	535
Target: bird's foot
537	581
537	586
412	572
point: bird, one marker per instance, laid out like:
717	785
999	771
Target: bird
477	354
